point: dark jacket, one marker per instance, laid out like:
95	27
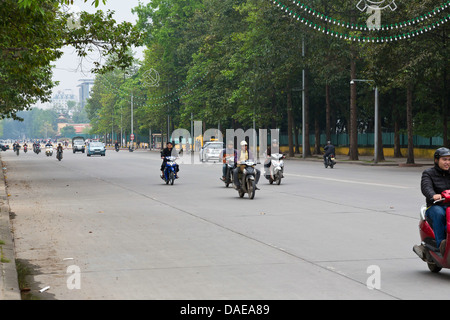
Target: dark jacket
167	153
434	181
329	149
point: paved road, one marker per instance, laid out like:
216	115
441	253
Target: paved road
321	234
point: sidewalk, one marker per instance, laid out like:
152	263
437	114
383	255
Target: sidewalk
368	161
9	286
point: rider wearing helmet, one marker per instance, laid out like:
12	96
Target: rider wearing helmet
274	148
434	181
329	149
242	155
227	152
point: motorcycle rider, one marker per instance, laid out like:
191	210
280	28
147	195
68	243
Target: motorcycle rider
329	149
59	148
167	152
229	151
116	145
16	146
434	181
243	154
276	149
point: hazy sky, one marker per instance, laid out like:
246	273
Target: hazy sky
69	69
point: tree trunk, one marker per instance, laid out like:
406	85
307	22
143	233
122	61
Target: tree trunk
445	96
397	146
316	134
297	139
409	122
274	111
290	120
445	107
327	113
380	151
307	146
353	132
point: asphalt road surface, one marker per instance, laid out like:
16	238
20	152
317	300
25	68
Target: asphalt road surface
109	228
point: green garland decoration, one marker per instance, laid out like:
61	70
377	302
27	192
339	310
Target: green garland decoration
352	26
358	38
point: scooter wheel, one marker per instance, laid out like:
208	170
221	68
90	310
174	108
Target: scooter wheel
434	268
251	188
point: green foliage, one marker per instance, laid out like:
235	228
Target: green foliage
232	62
32	34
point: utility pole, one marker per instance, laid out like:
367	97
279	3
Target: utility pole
303	101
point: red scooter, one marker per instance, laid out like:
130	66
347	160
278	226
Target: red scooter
428	251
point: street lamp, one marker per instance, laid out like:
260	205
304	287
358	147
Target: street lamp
375	155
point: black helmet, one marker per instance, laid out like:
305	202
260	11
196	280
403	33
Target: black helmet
441	152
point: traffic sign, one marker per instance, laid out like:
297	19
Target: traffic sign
132	136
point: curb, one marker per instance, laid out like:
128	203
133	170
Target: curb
385	163
9	285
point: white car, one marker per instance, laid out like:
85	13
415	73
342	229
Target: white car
211	151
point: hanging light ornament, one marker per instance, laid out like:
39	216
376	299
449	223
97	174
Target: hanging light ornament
365	28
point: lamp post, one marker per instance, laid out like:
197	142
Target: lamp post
375	154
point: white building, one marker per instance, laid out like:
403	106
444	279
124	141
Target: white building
59	100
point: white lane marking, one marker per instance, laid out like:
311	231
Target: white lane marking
349	181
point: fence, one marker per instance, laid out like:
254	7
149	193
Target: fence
367	140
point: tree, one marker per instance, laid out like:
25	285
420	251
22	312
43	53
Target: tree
68	131
32	35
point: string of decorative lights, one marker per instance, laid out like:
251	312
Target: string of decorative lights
359	38
140	101
352	26
162	96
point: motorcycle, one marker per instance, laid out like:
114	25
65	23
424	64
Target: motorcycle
25	149
275	171
49	151
229	175
428	250
330	160
169	170
59	155
37	149
247	178
117	148
17	149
